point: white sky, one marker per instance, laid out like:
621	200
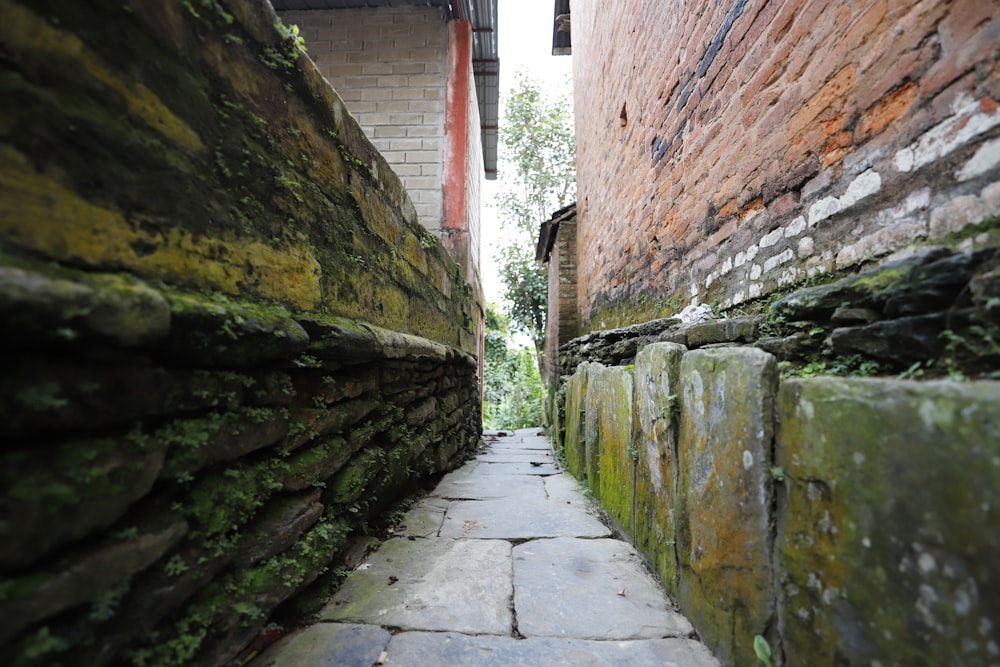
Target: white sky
525	41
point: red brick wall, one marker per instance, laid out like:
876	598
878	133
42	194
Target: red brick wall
563	321
727	149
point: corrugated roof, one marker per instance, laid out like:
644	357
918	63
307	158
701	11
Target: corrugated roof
482	14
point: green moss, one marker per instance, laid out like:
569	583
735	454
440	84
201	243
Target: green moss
642	308
224	501
348	485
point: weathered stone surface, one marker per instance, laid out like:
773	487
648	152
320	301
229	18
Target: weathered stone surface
617	454
449	649
532	468
592	434
517	518
342	339
589	589
565	488
539	456
327	645
786	347
318	462
56	496
465	484
48	593
821	301
724	491
724	331
575	439
929	287
217	334
39	396
902	341
657	386
884	544
530	445
196	443
59	306
424	519
278	527
431	584
848	316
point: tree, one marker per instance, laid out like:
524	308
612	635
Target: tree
513	389
538	177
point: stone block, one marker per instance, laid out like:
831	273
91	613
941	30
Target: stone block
327	644
592	432
419	585
57	495
884	552
610	398
44	593
724	497
657	396
61	307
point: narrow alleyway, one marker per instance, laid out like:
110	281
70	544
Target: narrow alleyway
505	563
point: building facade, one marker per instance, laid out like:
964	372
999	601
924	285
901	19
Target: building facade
421	79
726	151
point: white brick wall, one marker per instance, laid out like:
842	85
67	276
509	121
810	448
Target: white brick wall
389	66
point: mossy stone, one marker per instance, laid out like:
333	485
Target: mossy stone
575	443
883	552
657	389
54	496
612	392
724	497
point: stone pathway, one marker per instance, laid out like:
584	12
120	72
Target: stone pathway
505	564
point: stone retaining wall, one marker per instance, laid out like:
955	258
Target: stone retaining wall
228	343
846	519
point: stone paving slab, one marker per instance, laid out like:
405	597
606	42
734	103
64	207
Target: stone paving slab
568	587
430	584
450	649
564	488
516	456
466	484
327	645
455	601
520	519
531	442
424	519
485	468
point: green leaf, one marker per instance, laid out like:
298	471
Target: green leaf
763	650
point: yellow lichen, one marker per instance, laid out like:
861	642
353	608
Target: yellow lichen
39	212
25	33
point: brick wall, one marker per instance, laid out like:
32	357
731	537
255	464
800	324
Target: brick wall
725	150
388	64
563	320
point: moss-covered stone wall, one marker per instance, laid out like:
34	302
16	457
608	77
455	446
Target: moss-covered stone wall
228	344
824	474
194	143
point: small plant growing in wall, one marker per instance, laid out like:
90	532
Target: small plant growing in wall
672	407
290	33
763	650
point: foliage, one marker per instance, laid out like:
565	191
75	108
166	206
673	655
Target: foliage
538	176
763	650
512	388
